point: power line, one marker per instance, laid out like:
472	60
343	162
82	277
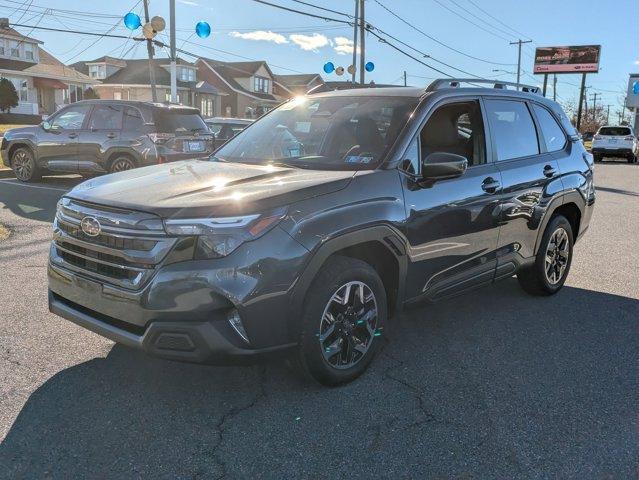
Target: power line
464	9
323	8
281	7
436	40
498	20
438	2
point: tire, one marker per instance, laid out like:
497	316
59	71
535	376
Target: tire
597	158
632	159
121	163
24	165
535	280
336	343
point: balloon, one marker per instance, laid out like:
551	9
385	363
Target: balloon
339	70
370	66
132	21
158	23
329	67
351	69
203	29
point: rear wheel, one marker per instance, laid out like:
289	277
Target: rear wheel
632	158
121	163
597	158
343	319
552	264
24	165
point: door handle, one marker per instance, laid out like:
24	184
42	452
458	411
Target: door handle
73	135
110	135
490	185
549	171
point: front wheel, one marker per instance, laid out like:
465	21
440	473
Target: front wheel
553	260
121	164
343	320
24	165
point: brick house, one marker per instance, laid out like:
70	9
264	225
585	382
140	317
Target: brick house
125	79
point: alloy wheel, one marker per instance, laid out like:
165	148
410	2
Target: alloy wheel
348	325
22	165
557	255
121	164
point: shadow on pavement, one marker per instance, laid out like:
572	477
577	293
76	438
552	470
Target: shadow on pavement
498	385
37	200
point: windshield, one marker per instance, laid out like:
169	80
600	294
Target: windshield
615	131
179	121
325	133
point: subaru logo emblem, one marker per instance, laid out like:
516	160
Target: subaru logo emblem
90	226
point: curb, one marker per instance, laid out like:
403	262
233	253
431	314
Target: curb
6	173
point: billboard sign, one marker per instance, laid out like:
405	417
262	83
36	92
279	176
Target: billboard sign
576	59
632	98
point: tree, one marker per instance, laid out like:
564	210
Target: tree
90	94
8	95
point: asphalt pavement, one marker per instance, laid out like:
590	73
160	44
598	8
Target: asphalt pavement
495	384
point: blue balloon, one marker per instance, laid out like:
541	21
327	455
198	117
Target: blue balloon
203	29
132	21
370	66
329	67
635	88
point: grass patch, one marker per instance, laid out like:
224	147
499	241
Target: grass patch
9	126
4	232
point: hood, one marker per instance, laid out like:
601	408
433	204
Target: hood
21	131
194	188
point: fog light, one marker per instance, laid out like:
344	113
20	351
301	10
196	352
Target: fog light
236	322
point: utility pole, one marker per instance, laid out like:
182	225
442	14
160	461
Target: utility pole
362	42
582	91
594	104
149	49
608	115
173	67
354	78
405	80
519	43
554	88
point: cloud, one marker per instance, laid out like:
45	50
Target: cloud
261	35
189	2
636	62
344	46
309	42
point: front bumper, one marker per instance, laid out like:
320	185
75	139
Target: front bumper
181	312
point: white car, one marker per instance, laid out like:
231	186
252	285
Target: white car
615	142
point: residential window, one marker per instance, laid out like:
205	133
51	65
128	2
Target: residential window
167	97
186	74
24	91
75	93
117	95
261	84
97	71
29	51
206	107
15	48
2	47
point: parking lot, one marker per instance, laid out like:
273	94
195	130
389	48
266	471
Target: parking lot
499	385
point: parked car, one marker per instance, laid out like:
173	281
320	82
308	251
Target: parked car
98	136
306	233
587	136
615	142
226	128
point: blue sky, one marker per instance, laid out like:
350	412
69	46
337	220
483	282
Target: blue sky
293	43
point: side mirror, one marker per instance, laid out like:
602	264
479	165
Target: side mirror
442	165
46	126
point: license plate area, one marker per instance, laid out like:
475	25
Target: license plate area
194	146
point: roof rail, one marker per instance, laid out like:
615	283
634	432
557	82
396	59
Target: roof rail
441	83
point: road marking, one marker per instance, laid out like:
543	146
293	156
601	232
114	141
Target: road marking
16	184
29	208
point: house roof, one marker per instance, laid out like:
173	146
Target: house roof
48	67
136	71
11	33
229	71
296	80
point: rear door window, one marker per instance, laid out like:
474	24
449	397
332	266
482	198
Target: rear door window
132	119
554	137
615	131
512	128
106	117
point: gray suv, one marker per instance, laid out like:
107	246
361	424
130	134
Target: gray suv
307	232
98	136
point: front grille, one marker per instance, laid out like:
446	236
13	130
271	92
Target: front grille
126	257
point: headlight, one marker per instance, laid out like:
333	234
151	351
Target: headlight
218	237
